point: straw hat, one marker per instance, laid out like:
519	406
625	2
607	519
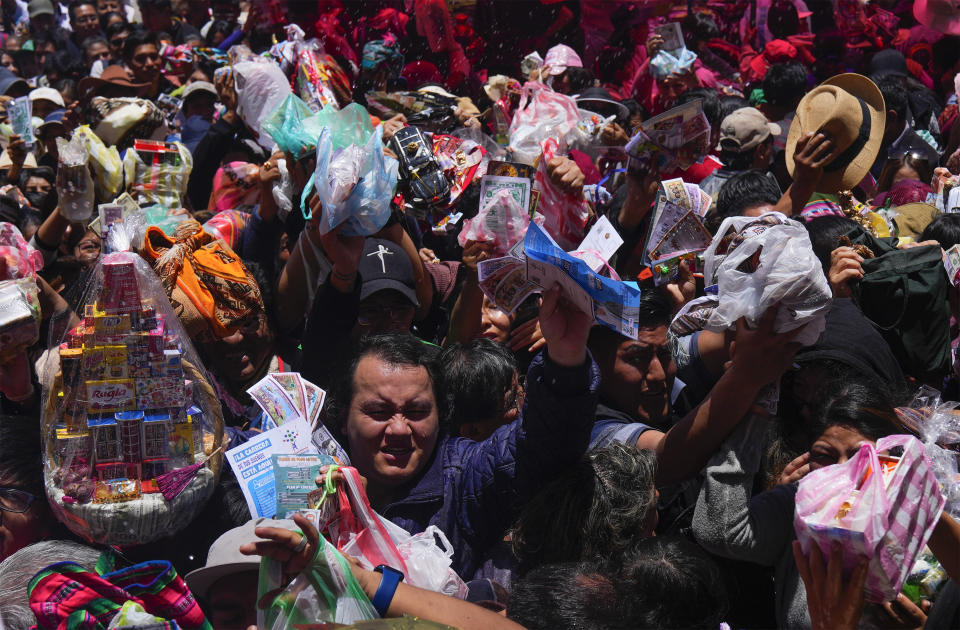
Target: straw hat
850	109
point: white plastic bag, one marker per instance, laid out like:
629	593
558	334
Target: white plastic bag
261	87
541	114
759	262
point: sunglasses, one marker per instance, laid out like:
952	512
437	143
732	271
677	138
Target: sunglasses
15	500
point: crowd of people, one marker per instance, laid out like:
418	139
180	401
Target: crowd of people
583	478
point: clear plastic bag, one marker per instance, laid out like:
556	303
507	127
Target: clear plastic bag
354	192
105	162
128	413
74	184
759	262
542	114
502	223
325	591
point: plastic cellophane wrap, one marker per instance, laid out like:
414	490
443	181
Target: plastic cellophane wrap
157	172
127	402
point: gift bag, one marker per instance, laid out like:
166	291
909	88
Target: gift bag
880	506
130	422
320	81
541	114
362	533
354	180
759	262
325	591
157	172
565	215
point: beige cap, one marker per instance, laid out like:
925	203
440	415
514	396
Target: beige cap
744	129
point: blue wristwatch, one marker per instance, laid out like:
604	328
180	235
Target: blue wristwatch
388	586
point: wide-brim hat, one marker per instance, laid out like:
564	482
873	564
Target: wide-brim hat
940	15
598	99
850	109
113	82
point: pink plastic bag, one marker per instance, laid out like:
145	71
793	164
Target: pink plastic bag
541	114
565	215
876	506
357	523
358	531
502	222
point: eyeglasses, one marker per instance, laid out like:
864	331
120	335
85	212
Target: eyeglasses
14	500
369	316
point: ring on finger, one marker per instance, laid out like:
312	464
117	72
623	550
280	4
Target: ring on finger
300	545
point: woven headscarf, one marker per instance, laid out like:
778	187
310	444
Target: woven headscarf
66	596
120	121
210	290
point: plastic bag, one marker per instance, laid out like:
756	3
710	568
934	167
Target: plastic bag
565	215
502	222
261	87
759	262
126	404
883	507
542	114
74	184
294	127
282	191
325	591
360	532
353	178
320	81
157	172
105	162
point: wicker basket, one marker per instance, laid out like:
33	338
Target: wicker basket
151	517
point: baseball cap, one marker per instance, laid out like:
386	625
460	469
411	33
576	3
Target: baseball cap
54	118
744	129
888	63
9	79
47	94
224	557
385	266
40	7
198	87
561	57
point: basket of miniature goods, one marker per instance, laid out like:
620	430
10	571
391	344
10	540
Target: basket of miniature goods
133	431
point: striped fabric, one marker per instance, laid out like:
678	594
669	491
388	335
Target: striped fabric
65	596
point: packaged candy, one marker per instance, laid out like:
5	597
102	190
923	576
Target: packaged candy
127	380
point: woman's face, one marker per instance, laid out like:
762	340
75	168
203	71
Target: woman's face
19	528
494	323
837	445
7	61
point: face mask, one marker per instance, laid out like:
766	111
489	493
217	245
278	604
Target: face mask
44	202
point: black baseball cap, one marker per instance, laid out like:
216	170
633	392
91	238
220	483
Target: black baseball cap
384	266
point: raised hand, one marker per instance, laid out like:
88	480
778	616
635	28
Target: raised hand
565	327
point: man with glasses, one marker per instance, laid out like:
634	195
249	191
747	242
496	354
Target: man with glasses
84	22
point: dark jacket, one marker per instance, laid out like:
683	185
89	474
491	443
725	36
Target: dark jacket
473	491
